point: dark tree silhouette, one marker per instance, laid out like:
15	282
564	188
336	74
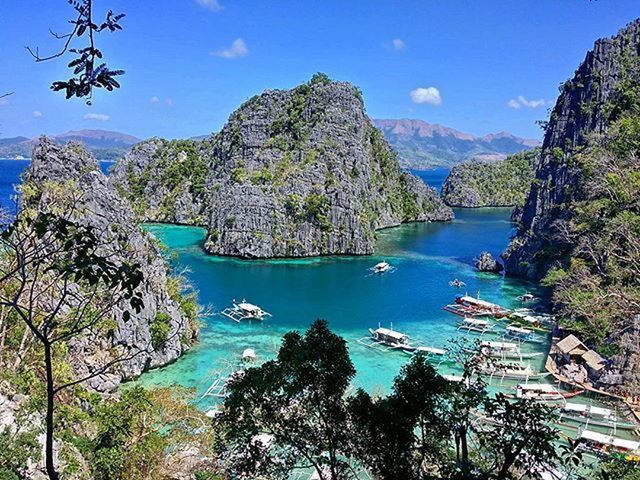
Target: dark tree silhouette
88	70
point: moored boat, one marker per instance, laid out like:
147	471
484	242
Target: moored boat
381	267
593	415
466	305
510	371
600	443
505	350
475	325
390	338
244	311
541	391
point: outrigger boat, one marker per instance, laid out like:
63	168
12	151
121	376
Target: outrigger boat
592	415
505	350
468	306
520	332
232	371
381	267
541	391
457	283
600	443
387	339
475	325
529	321
428	351
244	311
510	371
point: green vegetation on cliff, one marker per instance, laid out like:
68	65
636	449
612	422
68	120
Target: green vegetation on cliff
502	183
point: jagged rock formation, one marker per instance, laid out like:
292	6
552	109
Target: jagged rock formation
166	180
99	205
293	173
580	225
421	145
501	183
587	105
486	263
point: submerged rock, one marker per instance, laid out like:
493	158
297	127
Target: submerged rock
55	169
486	263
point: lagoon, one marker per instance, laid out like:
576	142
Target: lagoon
342	290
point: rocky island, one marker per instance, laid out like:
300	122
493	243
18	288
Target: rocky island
293	173
487	183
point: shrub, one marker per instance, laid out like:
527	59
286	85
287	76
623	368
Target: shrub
160	328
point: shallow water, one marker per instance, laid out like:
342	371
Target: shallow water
343	291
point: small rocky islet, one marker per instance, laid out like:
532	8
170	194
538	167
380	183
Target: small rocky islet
293	173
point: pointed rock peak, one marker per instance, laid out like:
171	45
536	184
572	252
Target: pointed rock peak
51	161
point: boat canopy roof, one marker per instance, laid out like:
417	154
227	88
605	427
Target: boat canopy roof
476	321
437	351
249	307
481	303
581	408
381	264
609	440
387	332
249	354
503	345
515	328
539	387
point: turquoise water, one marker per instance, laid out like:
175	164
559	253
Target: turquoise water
343	291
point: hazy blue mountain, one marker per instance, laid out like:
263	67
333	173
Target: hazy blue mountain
421	145
104	144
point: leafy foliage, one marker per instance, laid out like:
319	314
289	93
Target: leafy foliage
88	72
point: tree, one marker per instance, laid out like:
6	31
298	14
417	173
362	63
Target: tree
519	438
290	412
62	281
404	435
88	72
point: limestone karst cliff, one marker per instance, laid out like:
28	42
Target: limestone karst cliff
498	183
71	168
580	225
293	173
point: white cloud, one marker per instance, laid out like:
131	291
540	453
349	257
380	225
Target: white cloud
97	116
430	95
213	5
154	99
4	101
237	49
513	104
397	44
38	114
523	102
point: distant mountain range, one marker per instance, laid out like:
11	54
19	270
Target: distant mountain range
422	145
105	145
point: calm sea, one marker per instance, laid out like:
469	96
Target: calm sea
341	290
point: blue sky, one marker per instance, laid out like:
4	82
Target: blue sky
477	66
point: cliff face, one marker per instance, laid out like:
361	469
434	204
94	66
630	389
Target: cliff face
586	107
166	180
293	173
501	183
304	172
99	205
580	225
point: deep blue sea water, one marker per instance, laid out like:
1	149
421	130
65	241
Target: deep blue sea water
10	171
434	177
